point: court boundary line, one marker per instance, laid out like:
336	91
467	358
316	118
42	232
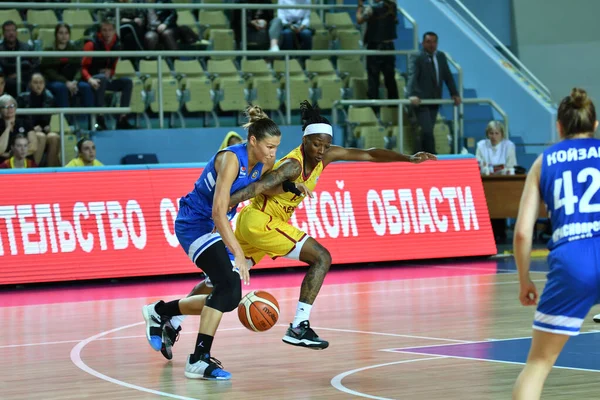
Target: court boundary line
497	361
75	356
402	349
79	363
408	289
336	381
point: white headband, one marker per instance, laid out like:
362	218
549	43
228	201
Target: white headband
315	129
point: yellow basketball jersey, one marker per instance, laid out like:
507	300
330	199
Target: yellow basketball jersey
283	205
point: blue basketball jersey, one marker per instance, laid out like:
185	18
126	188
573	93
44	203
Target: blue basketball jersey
570	187
200	199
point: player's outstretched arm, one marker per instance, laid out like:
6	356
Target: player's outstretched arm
528	214
337	153
270	183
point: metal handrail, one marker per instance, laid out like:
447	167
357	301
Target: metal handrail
496	42
458	135
414	24
196	53
75	110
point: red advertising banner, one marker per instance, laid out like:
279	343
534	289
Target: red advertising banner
119	223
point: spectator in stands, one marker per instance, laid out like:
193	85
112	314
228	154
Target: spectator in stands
86	150
63	75
98	72
40	97
9	64
426	72
496	154
257	24
10	126
131	28
19	154
381	19
230	139
161	26
291	27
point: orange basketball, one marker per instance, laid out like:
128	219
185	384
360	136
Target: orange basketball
258	311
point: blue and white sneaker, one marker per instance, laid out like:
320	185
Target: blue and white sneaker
207	368
169	336
153	326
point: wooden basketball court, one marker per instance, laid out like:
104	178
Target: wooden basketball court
396	332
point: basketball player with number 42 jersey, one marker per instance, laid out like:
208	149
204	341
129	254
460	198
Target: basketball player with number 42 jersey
262	228
567	178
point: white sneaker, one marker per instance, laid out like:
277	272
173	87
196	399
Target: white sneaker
153	326
274	48
207	367
597	318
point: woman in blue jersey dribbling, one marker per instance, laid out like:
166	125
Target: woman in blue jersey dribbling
567	178
203	229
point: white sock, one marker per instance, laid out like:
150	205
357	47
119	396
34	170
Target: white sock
302	313
177	320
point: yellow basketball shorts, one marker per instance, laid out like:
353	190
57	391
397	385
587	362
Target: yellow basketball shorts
260	234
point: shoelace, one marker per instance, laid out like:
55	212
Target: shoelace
216	362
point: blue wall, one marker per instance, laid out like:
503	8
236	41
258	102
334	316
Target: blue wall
182	145
495	15
531	116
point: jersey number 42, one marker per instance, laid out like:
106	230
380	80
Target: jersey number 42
569	200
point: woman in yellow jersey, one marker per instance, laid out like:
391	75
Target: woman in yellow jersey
262	227
86	150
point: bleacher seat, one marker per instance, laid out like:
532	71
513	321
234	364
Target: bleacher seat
228	84
139	96
208	20
37	19
222	40
326	82
298	84
170	94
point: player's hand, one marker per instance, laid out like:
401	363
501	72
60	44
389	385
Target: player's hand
422	156
528	294
242	266
304	190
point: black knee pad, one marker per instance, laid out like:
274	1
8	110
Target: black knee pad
226	294
227	286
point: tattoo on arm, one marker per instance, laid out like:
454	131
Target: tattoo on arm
287	171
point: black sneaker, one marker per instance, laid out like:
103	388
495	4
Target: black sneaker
304	336
169	336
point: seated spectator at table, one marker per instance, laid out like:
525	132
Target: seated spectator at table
496	154
18	157
63	75
290	27
98	72
86	155
11	125
230	139
9	64
40	97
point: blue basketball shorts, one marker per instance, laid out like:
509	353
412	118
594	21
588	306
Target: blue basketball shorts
573	287
195	232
